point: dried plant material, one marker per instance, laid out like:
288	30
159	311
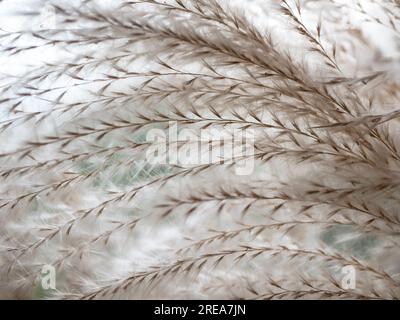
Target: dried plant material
200	149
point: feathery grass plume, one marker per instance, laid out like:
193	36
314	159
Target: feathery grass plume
90	100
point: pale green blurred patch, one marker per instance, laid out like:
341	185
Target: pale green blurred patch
345	239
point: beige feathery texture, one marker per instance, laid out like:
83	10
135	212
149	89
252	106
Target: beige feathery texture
83	82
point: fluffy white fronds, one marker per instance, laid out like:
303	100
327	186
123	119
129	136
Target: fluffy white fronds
201	149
